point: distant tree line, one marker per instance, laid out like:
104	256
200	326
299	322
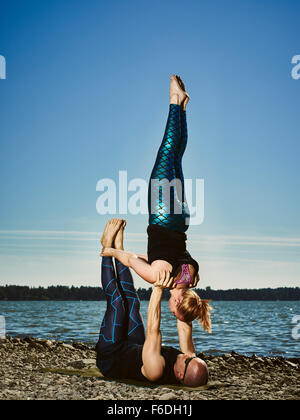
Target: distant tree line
96	293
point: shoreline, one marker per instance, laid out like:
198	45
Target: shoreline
233	376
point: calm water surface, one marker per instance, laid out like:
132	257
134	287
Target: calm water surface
263	328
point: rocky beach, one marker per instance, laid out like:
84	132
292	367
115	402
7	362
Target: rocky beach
26	373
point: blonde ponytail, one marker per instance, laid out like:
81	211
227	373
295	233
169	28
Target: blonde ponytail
204	315
192	307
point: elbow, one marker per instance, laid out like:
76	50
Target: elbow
153	374
154	378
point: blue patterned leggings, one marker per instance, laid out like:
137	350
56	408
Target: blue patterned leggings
122	319
169	209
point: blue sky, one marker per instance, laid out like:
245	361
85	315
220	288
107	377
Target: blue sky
86	95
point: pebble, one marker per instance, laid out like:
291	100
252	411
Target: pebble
67	346
231	376
167	396
226	356
82	363
293	365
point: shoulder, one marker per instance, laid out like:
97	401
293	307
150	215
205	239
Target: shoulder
168	350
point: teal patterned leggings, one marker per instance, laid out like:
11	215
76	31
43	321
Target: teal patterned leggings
166	201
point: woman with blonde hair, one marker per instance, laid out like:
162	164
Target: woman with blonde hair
169	220
192	307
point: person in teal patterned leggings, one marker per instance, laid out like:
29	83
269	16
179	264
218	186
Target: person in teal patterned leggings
169	220
173	214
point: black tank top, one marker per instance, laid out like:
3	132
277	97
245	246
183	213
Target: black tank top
168	245
126	363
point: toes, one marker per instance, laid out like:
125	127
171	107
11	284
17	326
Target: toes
116	223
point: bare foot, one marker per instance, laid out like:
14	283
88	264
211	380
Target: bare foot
181	84
177	94
104	234
110	232
119	237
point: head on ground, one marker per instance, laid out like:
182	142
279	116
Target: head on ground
187	306
191	372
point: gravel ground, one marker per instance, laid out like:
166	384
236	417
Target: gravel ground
232	376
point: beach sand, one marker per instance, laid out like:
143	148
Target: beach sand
232	376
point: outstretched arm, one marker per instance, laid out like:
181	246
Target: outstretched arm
153	361
185	336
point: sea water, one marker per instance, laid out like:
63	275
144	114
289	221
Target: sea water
247	327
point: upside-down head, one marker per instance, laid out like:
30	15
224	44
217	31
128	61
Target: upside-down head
191	307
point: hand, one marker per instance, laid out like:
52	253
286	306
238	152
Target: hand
163	280
195	281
